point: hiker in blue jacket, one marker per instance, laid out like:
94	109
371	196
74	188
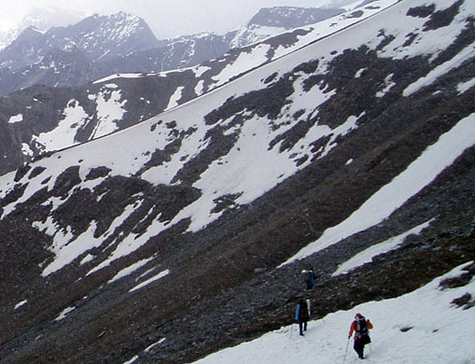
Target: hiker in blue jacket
301	315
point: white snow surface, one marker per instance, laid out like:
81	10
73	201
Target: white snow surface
21	304
130	269
63	135
151	280
15	119
110	109
116	76
175	98
422	327
126	152
64	313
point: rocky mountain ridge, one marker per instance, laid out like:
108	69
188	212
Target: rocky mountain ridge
188	232
121	100
102	45
99	37
42	18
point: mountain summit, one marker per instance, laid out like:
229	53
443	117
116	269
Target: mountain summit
99	37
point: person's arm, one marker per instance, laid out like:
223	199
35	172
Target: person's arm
369	324
352	328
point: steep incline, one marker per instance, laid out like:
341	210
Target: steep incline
41	119
165	241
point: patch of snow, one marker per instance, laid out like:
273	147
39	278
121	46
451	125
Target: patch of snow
465	86
159	342
175	97
20	304
119	75
15	119
151	280
26	150
200	70
245	61
134	359
75	117
199	88
65	313
359	72
130	269
389	83
88	258
110	109
441	70
66	251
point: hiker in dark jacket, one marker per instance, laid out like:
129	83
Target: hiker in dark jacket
309	278
360	327
301	315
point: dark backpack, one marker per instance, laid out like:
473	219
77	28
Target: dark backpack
361	326
362	330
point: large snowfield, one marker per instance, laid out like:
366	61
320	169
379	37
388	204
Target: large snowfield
422	327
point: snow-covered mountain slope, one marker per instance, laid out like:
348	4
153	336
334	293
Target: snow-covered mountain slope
423	327
187	232
71	55
24	113
272	21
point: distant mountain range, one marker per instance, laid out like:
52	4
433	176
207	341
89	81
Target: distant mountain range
101	45
42	18
31	119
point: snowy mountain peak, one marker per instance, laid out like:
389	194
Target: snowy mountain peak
118	25
99	37
289	17
106	36
42	18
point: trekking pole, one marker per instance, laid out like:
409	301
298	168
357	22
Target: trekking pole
346	350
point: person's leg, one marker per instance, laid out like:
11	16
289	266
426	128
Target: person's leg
359	348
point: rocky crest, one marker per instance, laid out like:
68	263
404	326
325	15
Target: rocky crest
99	46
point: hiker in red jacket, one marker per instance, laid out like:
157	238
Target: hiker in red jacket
360	327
